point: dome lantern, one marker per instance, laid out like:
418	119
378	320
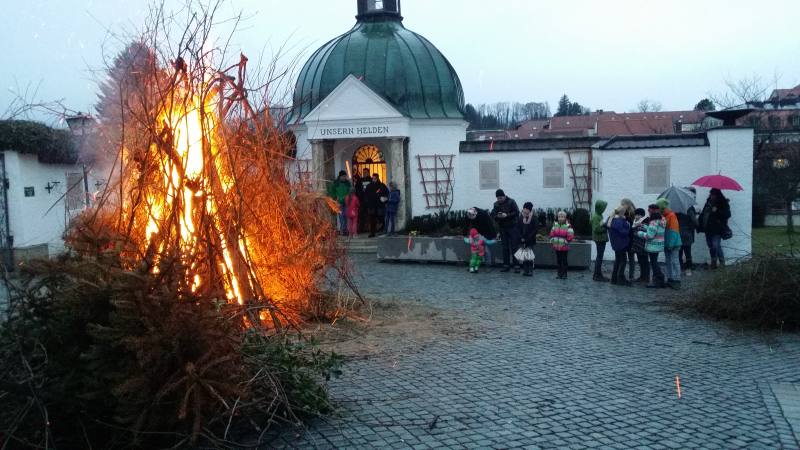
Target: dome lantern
371	9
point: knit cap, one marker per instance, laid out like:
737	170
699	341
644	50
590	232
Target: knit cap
662	204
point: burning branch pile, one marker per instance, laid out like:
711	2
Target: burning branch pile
165	325
206	198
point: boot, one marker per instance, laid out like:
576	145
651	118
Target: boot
721	261
713	264
657	283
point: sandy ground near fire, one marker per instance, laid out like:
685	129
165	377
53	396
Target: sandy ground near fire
392	328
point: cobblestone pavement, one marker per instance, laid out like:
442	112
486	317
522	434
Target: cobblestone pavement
561	364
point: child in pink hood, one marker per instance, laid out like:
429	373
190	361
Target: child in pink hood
477	248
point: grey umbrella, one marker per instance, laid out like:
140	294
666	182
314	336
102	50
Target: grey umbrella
680	199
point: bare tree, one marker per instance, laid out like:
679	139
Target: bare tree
648	105
745	91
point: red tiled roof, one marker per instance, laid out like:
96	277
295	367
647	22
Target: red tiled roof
781	94
529	129
635	126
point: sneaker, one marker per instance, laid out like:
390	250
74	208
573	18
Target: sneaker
600	278
505	269
528	274
688	272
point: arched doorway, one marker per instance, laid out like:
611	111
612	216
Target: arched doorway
369	157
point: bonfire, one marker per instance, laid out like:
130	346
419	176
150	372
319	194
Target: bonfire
163	324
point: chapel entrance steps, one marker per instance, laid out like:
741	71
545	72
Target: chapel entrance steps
579	163
360	245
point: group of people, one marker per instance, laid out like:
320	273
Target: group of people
517	235
633	233
364	202
639	235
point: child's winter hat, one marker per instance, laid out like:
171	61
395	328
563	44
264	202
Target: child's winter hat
639	212
473	232
662	204
528	206
652	207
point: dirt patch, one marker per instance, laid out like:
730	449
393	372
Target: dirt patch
392	328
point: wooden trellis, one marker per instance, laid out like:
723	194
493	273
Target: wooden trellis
436	176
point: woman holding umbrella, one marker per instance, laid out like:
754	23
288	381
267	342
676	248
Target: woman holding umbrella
714	223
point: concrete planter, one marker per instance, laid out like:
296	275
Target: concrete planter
452	249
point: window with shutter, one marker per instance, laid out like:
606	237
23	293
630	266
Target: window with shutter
75	193
656	175
489	174
553	175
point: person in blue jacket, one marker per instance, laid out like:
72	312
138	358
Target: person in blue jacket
619	233
392	205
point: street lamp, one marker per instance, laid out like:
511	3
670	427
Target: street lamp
79	123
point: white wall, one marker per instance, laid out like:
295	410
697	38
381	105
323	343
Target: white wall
40	219
729	152
732	155
623	177
528	186
429	137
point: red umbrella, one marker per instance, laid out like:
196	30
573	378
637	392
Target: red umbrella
719	182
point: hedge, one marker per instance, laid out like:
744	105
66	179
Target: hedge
50	145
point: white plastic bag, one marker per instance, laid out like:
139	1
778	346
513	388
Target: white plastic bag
524	254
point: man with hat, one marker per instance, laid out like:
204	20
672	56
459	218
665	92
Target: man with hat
505	212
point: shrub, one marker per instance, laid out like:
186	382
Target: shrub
93	355
49	144
761	292
581	223
439	223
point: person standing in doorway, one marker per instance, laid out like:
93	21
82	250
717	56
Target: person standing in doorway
560	236
352	205
714	223
505	213
361	183
600	238
338	190
392	205
374	193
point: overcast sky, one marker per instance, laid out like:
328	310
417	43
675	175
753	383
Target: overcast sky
604	54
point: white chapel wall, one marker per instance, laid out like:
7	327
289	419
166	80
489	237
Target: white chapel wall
429	137
527	186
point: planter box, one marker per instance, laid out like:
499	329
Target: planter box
452	249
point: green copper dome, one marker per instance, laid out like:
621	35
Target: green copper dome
400	65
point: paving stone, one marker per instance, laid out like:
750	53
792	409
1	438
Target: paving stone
548	364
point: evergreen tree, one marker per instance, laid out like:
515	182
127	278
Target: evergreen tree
705	105
564	106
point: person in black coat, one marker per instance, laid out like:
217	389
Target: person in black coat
527	234
481	220
505	212
376	194
714	223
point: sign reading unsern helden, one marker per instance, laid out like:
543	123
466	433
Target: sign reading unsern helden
354	131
